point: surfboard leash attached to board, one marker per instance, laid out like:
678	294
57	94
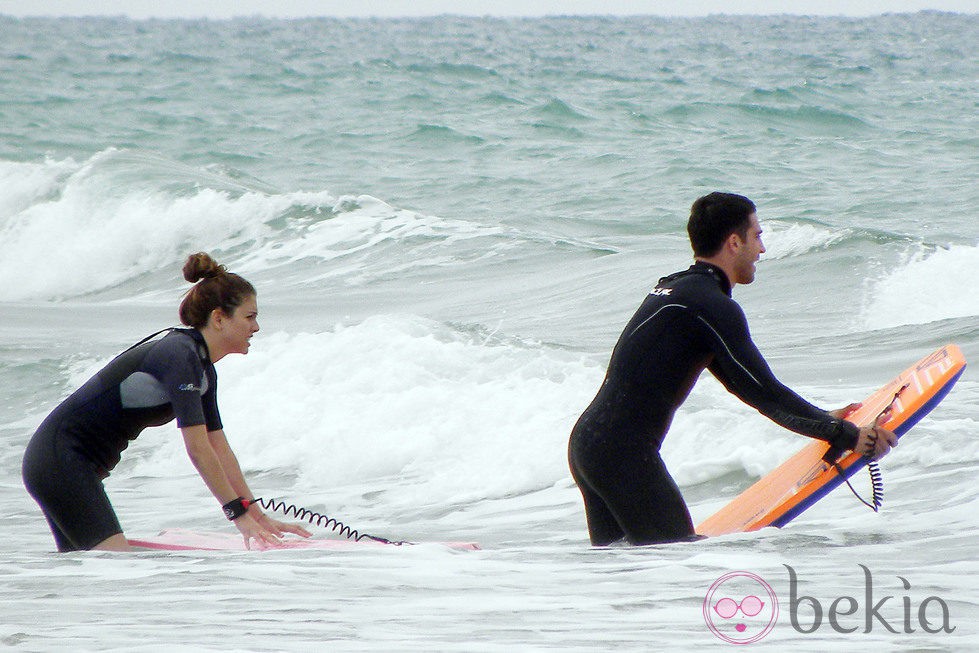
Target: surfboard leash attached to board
876	481
798	483
876	476
324	521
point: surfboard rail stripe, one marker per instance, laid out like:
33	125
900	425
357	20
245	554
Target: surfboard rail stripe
790	489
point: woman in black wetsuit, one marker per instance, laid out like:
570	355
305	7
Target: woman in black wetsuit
150	384
688	323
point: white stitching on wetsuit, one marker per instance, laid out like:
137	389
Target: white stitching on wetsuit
729	352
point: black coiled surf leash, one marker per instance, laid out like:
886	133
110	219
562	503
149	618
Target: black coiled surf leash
324	521
876	480
876	476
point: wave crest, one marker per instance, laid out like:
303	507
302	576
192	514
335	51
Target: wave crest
929	286
122	223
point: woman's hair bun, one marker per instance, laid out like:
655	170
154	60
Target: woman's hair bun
202	266
218	289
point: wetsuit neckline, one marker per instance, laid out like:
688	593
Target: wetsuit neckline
198	337
719	275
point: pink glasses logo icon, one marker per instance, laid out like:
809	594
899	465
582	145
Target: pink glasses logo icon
721	611
750	606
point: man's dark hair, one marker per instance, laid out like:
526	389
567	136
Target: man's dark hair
716	216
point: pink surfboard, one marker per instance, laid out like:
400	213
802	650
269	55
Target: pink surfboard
179	539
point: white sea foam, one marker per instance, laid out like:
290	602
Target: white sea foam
447	416
27	183
452	416
929	286
364	238
90	235
785	240
103	224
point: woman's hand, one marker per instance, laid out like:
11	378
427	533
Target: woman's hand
275	526
252	530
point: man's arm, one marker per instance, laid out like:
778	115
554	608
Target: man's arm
741	368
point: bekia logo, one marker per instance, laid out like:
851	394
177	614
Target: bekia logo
740	608
849	614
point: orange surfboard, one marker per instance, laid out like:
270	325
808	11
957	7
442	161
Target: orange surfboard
795	485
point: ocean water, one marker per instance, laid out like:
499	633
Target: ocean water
449	220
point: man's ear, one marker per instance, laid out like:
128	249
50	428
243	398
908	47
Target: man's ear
734	242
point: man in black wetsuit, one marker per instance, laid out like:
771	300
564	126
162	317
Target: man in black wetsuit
688	323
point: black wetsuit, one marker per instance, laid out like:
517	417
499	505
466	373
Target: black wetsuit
82	440
686	324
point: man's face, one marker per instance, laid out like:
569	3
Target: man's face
750	251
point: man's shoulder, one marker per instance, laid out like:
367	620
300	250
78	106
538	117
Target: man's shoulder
702	294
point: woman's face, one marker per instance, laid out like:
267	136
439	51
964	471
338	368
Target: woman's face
241	325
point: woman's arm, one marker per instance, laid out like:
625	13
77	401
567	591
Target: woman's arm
232	470
210	465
